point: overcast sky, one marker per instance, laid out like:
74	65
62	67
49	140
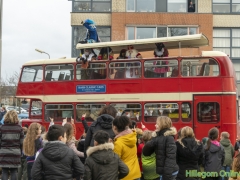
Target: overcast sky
31	24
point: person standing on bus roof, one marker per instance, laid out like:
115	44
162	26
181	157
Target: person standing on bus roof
132	53
122	54
103	122
161	51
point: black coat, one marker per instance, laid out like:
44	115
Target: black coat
57	161
188	157
165	149
213	158
103	122
103	164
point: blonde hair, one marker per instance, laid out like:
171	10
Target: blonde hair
146	136
69	131
11	117
29	141
186	132
164	122
225	135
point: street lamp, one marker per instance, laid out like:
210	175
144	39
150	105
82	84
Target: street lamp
38	50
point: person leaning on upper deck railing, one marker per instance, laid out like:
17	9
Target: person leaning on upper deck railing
105	53
161	51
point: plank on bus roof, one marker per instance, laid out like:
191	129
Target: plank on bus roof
188	41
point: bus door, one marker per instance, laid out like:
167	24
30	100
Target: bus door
206	114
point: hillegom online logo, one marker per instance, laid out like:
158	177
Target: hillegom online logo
222	173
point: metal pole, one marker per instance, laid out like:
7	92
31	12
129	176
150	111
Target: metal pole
1	9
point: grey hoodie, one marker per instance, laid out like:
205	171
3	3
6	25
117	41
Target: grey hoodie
213	158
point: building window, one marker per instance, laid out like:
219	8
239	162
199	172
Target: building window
161	5
226	6
153	32
92	6
79	34
227	40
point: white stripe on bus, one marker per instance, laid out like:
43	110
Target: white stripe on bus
123	97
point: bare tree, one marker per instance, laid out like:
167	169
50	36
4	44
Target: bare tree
9	85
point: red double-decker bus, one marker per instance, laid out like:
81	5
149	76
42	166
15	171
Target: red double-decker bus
196	91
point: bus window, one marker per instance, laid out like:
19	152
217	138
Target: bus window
61	72
199	67
133	111
91	110
153	110
122	70
36	109
32	74
161	68
186	112
58	112
208	112
95	71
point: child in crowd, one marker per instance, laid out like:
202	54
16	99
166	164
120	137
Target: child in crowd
236	168
149	162
71	139
125	146
57	160
229	152
189	153
165	148
213	154
102	163
22	170
11	140
31	144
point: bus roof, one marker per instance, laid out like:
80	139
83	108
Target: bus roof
188	41
213	53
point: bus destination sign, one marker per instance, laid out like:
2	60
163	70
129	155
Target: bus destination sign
93	88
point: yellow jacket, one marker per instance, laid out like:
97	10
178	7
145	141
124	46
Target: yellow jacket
125	147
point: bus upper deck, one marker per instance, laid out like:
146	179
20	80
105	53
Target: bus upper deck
211	72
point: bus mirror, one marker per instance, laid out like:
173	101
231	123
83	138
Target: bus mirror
24	101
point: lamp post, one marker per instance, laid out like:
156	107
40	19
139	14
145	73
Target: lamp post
1	13
40	51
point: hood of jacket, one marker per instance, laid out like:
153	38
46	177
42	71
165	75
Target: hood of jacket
105	121
129	140
102	154
194	146
214	148
167	132
225	142
55	150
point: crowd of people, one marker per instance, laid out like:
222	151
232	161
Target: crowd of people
112	148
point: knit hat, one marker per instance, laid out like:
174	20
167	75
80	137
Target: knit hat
204	140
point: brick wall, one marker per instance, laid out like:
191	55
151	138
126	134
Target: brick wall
204	21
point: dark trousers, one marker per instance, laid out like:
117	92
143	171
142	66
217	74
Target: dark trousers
22	170
13	173
29	168
212	178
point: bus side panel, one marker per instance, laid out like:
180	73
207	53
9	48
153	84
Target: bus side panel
229	84
26	89
229	115
207	84
161	85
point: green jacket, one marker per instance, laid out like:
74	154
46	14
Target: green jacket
149	167
229	152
